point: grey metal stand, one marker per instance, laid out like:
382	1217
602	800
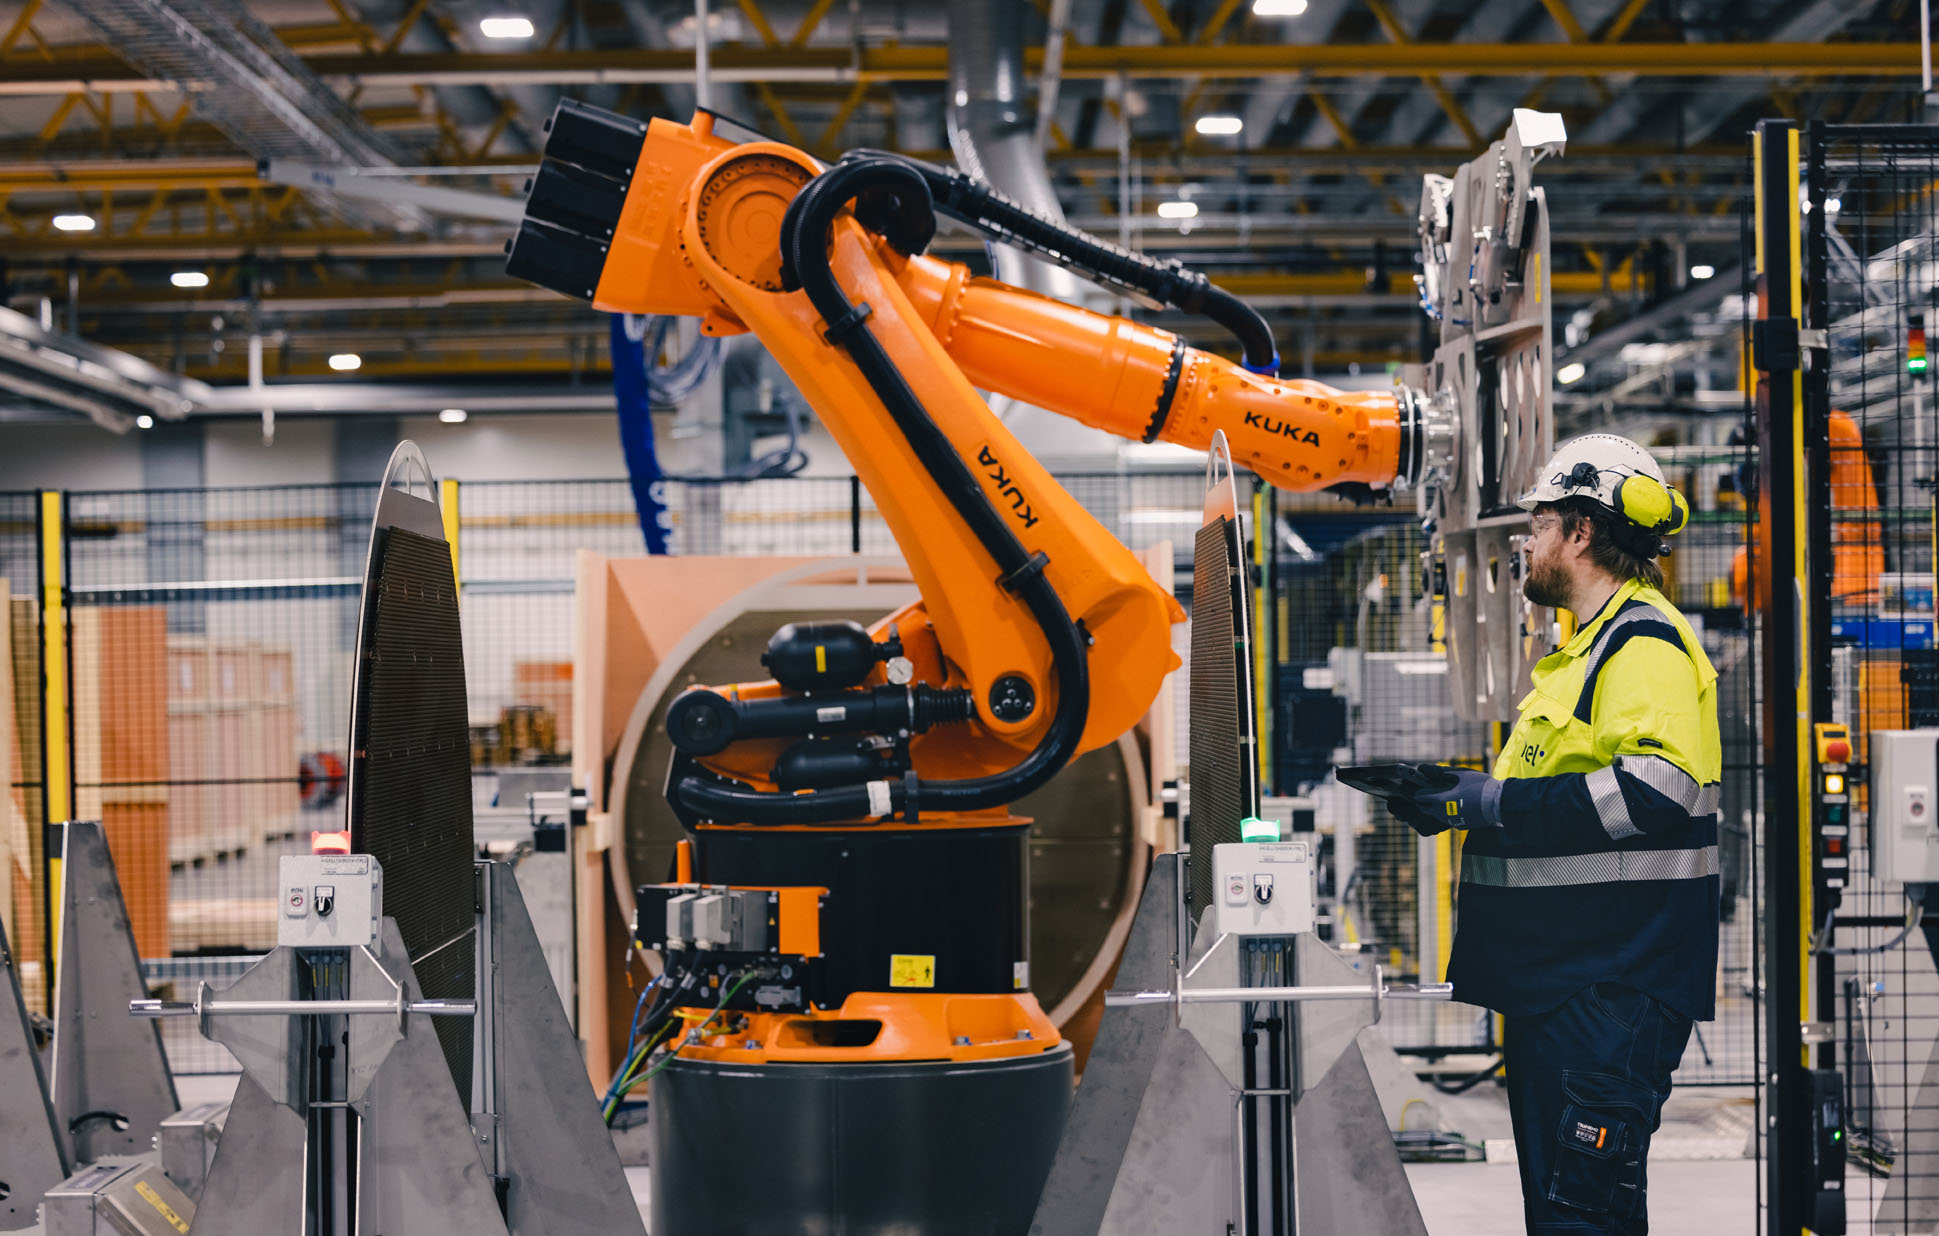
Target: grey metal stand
33	1155
530	1159
565	1177
1151	1142
416	1162
111	1088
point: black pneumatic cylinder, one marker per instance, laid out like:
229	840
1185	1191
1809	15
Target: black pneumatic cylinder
825	656
702	722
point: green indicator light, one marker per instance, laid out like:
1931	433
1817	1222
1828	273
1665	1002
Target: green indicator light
1916	365
1838	1135
1252	828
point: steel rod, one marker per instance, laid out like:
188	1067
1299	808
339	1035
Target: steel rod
1277	995
299	1008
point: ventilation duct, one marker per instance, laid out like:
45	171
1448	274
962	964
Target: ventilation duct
46	370
993	137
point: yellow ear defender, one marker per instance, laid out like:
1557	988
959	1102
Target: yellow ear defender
1651	505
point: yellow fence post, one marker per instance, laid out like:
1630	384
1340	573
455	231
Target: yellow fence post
56	764
448	509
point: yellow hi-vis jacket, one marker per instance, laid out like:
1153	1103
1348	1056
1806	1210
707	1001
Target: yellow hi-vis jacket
1605	867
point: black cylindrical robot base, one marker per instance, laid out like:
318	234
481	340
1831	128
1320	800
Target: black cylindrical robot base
935	1147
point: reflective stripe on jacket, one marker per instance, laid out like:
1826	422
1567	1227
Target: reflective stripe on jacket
1605	867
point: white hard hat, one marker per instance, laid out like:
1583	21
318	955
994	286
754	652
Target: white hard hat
1616	473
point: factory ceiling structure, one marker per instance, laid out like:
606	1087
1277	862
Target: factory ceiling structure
211	185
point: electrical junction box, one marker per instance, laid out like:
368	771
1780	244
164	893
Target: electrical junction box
330	901
187	1141
715	917
1263	888
117	1197
1905	805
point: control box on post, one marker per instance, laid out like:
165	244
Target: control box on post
1263	888
1832	742
330	901
1904	802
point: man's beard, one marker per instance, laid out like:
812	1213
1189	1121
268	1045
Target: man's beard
1547	584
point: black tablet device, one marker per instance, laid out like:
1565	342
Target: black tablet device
1395	780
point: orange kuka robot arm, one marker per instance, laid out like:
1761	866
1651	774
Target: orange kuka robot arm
1037	632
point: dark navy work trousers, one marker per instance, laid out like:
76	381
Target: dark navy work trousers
1586	1085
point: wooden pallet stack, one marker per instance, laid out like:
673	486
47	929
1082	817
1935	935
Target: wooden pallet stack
547	685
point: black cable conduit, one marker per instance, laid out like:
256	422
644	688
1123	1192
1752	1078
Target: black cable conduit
894	198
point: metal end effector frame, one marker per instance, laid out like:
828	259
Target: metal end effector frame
1480	409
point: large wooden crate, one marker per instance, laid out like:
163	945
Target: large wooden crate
245	764
122	766
28	878
137	836
14	854
238	820
281	797
273	676
191	801
189	672
233	669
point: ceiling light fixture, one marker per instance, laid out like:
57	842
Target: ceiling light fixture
1702	272
145	421
1571	372
1178	210
506	28
74	223
1278	8
453	416
1219	126
343	362
189	279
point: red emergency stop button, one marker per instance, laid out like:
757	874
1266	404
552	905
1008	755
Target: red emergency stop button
1838	751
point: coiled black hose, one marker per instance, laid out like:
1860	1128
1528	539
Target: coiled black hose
970	201
898	202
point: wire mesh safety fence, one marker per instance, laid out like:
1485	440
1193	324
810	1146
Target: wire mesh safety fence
211	634
212	638
1872	284
23	883
1361	677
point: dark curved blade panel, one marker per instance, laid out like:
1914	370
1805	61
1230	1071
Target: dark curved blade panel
411	808
1223	763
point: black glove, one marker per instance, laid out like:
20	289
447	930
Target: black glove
1466	799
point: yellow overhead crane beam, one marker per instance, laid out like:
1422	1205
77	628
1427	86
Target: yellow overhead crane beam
101	72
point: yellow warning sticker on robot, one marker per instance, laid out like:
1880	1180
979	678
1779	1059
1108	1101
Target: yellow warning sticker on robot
911	970
167	1212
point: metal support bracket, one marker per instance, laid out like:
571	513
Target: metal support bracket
33	1154
111	1087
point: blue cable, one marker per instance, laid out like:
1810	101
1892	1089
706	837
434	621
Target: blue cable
632	1040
